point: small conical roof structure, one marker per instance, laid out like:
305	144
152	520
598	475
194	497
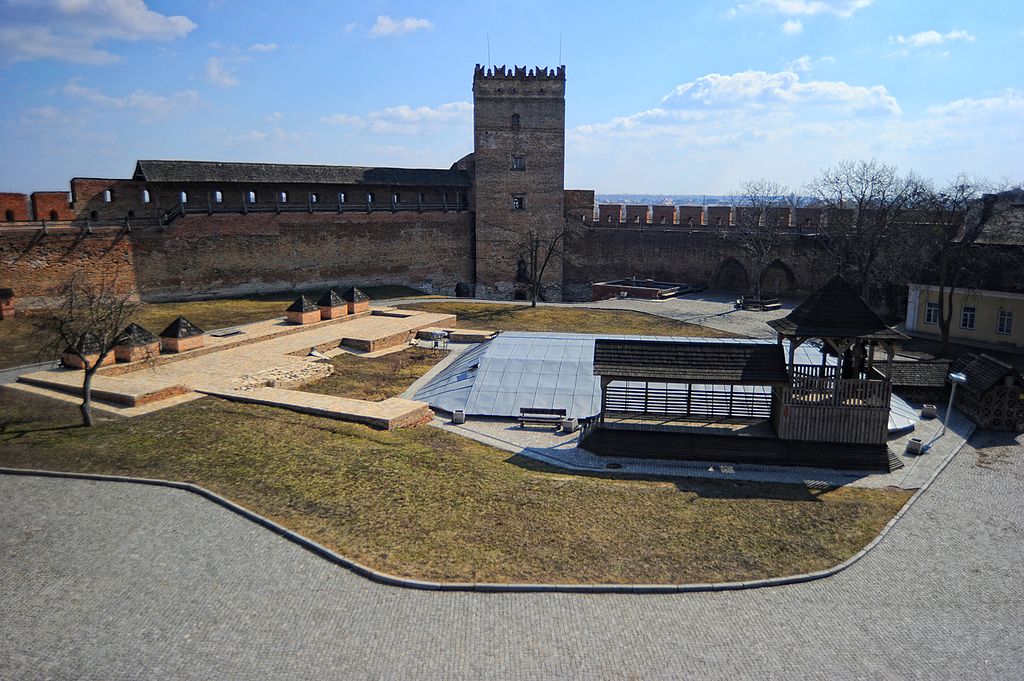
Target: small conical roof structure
303	304
835	310
88	344
331	299
181	328
354	295
135	336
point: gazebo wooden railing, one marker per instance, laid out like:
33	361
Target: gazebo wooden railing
686	399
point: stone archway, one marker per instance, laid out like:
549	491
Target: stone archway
731	275
778	279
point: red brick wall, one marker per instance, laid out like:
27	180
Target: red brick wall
636	215
610	213
45	204
663	215
14	207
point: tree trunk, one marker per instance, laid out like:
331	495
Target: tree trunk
86	406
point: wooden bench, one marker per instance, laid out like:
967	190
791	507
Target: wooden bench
544	417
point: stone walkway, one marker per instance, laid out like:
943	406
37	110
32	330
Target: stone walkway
104	580
393	412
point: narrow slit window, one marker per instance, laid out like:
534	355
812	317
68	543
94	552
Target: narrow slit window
282	197
145	196
519	202
396	198
369	197
93	215
218	197
183	197
108	196
314	198
9	215
53	215
518	163
341	197
251	197
515	121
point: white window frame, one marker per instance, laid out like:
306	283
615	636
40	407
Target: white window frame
973	315
518	202
931	313
1004	322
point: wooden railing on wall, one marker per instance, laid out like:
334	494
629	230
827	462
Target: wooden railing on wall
682	399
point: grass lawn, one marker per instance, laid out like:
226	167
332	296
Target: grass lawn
566	319
19	344
424	503
375	378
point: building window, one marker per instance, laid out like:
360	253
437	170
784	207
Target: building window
1005	323
341	197
53	215
515	121
396	198
314	198
218	197
145	196
518	163
108	196
931	313
519	202
967	317
282	197
183	197
369	197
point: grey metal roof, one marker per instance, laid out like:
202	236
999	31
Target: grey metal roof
287	173
835	310
691	362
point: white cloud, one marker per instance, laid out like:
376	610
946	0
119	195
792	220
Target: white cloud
277	136
262	47
73	30
805	63
840	8
148	105
405	119
1008	101
351	26
931	38
218	74
273	117
759	90
386	26
793	27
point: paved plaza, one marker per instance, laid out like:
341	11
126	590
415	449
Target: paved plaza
104	580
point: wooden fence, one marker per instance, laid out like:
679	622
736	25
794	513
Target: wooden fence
682	399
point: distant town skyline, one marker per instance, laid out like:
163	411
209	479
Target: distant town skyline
663	98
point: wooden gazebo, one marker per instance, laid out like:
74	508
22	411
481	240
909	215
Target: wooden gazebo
846	400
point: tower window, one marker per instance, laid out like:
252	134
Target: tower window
183	197
282	197
518	163
519	202
108	196
53	215
515	121
145	196
369	197
251	197
341	197
314	198
218	197
396	198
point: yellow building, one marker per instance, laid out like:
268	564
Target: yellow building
988	319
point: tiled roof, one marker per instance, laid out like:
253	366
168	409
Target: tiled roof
135	336
691	362
181	328
88	344
303	304
286	173
983	372
835	310
330	299
999	219
920	374
354	295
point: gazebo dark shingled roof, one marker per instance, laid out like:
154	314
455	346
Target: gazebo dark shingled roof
287	173
88	344
181	328
835	310
920	373
303	304
331	299
691	362
135	336
354	295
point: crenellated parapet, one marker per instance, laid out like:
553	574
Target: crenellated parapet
519	73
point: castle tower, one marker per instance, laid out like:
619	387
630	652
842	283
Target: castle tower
519	181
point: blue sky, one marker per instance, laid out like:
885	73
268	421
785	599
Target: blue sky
674	97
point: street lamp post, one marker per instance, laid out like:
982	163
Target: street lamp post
956	379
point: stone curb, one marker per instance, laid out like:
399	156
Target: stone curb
490	587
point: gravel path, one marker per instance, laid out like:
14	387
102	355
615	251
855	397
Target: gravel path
102	580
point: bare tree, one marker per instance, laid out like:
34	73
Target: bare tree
866	203
759	223
87	320
535	251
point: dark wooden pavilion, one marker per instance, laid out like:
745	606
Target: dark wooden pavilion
753	402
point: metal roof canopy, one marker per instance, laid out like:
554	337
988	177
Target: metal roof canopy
726	363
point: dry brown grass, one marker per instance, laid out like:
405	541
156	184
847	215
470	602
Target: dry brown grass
424	503
375	378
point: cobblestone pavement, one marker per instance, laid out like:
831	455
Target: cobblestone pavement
102	580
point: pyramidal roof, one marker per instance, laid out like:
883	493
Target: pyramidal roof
833	311
354	295
331	299
181	328
88	344
303	304
134	336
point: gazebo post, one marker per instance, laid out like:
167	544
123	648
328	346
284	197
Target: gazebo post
604	396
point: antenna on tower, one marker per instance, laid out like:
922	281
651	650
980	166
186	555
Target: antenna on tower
488	51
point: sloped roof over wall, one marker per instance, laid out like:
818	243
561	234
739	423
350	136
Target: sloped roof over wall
983	372
691	362
285	173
